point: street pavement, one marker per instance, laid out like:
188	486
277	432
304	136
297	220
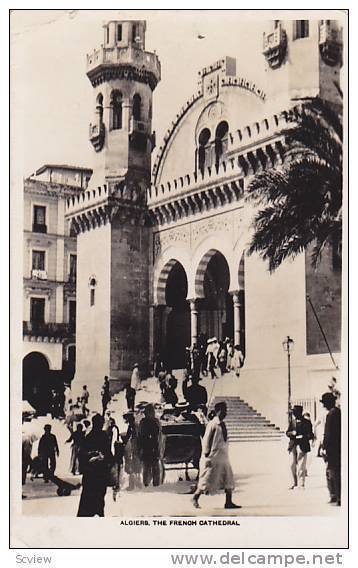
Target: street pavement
262	480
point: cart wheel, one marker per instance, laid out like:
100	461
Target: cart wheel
67	491
60	492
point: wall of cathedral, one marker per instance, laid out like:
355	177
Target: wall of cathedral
129	300
235	105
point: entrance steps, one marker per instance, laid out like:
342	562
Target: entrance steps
245	424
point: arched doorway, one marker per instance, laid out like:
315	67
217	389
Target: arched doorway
216	315
36	383
174	315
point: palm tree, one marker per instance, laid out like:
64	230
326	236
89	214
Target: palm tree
300	204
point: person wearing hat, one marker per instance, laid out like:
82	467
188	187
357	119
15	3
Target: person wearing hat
135	378
47	450
210	353
332	447
170	396
105	394
149	444
300	434
132	463
95	460
196	394
130	397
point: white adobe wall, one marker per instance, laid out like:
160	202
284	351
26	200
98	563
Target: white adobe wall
274	308
93	322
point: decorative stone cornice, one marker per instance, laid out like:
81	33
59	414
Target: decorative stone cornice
122	200
203	200
131	73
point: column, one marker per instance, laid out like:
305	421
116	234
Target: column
236	302
194	321
59	299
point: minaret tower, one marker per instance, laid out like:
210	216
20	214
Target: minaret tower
303	59
110	217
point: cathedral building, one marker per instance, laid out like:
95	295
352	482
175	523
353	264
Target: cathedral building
161	250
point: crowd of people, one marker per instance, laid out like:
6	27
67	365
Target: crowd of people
206	356
102	452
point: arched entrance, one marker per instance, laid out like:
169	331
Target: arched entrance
36	382
174	326
216	316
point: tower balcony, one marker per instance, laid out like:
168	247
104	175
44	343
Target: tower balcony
108	60
275	46
330	42
138	126
96	135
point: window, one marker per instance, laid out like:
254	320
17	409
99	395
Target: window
301	29
99	108
134	32
92	286
221	140
137	102
119	32
107	34
116	110
38	260
37	310
204	149
39	219
73	268
72	315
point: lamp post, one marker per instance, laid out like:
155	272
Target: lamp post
288	345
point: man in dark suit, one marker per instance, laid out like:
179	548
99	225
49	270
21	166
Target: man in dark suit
95	460
48	449
300	433
332	447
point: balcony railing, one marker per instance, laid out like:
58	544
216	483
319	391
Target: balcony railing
274	46
54	330
38	274
97	135
330	42
137	126
39	228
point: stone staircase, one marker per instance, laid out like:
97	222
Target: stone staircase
245	424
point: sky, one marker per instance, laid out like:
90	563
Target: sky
51	96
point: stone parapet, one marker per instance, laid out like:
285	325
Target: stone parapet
255	147
107	58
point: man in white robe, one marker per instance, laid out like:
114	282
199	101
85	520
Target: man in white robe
215	471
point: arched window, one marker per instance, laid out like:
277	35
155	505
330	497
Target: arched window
203	150
99	107
92	284
116	110
221	141
137	103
